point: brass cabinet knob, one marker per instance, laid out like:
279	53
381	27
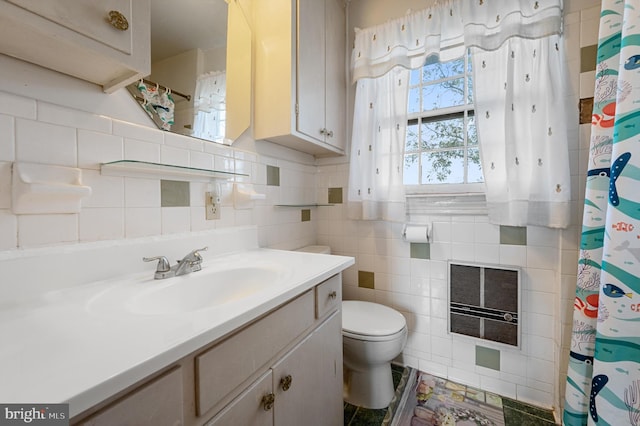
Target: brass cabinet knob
333	295
285	382
118	20
267	401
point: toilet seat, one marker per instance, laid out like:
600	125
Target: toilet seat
371	321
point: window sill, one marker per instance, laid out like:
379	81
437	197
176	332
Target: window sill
463	203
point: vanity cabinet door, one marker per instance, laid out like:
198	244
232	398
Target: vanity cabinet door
249	407
159	402
223	368
79	38
307	382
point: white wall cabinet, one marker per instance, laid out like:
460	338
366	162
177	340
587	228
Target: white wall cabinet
278	370
106	42
300	79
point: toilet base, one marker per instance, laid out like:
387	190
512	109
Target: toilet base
372	388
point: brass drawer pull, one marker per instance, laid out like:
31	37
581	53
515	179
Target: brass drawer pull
285	382
267	401
118	20
333	294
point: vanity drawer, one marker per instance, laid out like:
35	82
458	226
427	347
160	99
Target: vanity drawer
227	365
328	296
157	402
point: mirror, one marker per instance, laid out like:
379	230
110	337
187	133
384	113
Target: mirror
200	81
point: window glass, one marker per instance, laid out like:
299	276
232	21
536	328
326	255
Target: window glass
441	142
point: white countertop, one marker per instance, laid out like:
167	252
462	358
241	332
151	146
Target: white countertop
81	345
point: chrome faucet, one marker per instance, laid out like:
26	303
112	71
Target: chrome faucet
190	263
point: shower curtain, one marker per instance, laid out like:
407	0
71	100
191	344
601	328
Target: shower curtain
603	380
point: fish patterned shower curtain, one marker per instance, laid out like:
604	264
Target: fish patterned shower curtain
603	380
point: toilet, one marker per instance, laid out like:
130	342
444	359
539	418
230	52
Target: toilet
372	336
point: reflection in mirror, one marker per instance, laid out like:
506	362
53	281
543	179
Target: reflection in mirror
200	81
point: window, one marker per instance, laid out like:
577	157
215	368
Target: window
441	144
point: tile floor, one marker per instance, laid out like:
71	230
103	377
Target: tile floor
515	413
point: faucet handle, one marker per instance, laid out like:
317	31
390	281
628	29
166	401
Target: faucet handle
195	253
163	263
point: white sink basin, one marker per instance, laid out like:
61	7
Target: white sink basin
204	289
218	283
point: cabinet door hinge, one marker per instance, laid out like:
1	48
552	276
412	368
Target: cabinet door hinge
297	109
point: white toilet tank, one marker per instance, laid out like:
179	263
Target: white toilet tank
316	249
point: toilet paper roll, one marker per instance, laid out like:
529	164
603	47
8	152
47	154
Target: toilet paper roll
416	233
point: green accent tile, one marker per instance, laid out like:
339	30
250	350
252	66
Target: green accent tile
528	409
335	195
487	357
588	58
305	215
174	193
366	279
513	235
349	412
586	110
420	251
273	176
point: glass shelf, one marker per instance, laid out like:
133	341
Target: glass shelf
134	168
304	205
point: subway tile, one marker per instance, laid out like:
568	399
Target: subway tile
45	143
487	253
587	84
7	138
183	142
542	257
95	148
486	233
5	184
142	221
534	396
106	191
46	230
17	106
540	347
538	302
463	252
141	151
56	114
175	156
441	346
96	224
201	160
175	220
534	279
462	232
8	230
513	255
141	192
137	132
199	220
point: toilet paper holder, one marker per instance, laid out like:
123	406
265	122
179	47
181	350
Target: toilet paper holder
416	233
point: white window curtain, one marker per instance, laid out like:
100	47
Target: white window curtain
493	30
210	106
376	191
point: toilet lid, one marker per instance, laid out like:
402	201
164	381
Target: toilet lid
370	319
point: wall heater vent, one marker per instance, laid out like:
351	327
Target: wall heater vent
484	302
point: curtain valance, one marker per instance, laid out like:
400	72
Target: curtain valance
447	28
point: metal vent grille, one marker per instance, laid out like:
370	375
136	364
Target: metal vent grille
484	302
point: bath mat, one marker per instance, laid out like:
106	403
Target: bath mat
427	400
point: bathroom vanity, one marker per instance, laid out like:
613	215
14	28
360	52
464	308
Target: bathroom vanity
256	341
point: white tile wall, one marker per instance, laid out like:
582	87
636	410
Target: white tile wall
37	131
